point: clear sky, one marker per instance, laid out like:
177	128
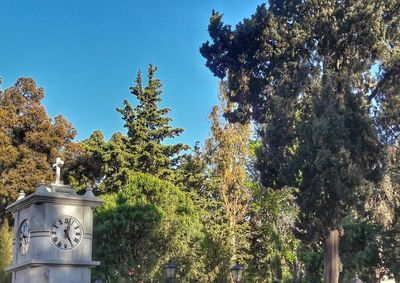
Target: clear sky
86	54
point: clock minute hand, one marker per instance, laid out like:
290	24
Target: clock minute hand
69	239
69	225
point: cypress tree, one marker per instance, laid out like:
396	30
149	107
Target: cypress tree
320	79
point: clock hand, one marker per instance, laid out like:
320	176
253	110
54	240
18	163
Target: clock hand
69	224
68	228
66	236
69	239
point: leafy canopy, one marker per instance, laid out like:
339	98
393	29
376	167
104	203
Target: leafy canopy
145	224
29	139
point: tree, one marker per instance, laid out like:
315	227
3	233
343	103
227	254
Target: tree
6	241
305	72
338	155
383	210
273	248
148	127
29	140
84	162
105	164
144	225
360	250
227	153
191	173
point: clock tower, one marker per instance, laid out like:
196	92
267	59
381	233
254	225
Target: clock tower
53	231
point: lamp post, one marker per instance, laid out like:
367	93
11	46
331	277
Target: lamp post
237	272
170	269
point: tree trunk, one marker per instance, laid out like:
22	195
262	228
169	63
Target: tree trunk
332	263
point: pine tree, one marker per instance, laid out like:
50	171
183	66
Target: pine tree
148	127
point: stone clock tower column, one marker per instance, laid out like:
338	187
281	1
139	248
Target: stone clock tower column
53	230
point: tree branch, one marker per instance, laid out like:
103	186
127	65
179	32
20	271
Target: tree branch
387	77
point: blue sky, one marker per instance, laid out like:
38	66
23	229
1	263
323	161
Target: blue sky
86	54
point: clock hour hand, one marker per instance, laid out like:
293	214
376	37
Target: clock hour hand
69	225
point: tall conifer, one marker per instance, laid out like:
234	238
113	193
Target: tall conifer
148	128
320	79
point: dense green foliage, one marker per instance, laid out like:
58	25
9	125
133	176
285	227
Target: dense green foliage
143	226
320	78
85	161
273	249
148	127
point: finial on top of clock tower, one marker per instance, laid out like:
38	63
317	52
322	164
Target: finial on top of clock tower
59	163
21	195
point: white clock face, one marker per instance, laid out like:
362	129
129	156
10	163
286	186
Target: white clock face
66	233
24	235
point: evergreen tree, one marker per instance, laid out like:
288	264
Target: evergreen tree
304	71
148	127
84	162
29	140
383	210
191	173
338	154
106	164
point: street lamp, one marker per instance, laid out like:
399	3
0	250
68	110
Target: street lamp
237	272
170	269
